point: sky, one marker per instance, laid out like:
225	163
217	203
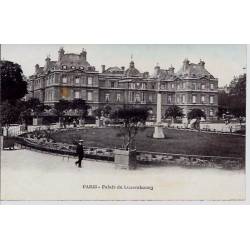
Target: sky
222	61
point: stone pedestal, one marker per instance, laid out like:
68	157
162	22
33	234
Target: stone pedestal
125	158
158	133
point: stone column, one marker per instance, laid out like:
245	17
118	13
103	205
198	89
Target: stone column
158	132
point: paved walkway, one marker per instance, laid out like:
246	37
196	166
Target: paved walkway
29	175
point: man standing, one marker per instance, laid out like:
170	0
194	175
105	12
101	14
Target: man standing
80	154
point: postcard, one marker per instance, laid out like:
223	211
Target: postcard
119	122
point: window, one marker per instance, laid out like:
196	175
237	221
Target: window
77	94
137	97
90	96
211	112
64	79
73	67
194	99
211	86
211	99
118	97
143	97
183	98
64	67
202	99
143	86
77	80
202	86
177	99
90	80
81	67
107	97
172	86
112	84
131	96
169	98
150	98
132	85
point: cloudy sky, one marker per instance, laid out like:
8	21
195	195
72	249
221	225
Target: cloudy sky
222	61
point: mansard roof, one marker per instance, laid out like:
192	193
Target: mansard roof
192	70
114	70
72	59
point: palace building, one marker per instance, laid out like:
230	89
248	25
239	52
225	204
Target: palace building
72	77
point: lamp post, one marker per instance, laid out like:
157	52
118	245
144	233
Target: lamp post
158	131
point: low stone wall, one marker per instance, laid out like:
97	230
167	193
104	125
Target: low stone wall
143	157
196	161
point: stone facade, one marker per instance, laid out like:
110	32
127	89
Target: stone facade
71	76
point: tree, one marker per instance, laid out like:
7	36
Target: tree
237	104
223	103
173	112
234	102
196	114
13	86
10	113
60	107
98	112
133	120
81	106
105	111
35	106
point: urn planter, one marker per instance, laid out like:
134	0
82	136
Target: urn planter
125	158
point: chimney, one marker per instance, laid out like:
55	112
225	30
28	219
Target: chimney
103	68
60	53
157	70
171	70
36	68
185	64
83	55
47	62
202	63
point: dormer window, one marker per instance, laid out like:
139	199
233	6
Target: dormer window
73	67
64	67
81	67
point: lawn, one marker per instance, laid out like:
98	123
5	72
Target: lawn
176	141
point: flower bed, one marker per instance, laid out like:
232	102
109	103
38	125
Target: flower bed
40	140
